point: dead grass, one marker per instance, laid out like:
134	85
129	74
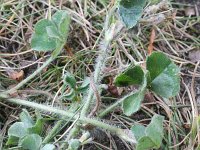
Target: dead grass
176	36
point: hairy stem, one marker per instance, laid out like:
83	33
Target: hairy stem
53	132
98	69
110	108
57	128
113	129
100	60
73	132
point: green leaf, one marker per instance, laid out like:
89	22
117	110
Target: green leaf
165	80
145	143
40	40
49	33
18	129
138	131
12	140
84	85
132	75
155	130
132	102
157	62
74	144
62	19
153	135
31	142
130	11
52	32
26	118
71	95
48	147
38	126
70	80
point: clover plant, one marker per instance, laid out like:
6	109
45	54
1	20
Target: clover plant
161	76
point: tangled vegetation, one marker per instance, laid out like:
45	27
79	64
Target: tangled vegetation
94	71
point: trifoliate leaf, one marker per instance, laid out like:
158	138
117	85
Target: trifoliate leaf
51	33
165	80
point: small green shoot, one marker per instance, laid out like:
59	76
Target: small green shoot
75	90
26	134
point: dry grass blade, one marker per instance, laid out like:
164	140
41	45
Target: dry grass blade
175	33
